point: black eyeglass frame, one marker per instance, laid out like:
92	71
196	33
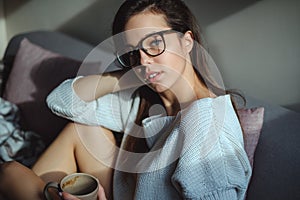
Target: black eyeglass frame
139	46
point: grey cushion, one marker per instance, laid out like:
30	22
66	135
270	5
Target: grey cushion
276	172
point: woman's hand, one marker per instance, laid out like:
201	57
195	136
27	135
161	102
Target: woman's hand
101	195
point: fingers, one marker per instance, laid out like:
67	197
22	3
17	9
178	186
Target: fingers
101	193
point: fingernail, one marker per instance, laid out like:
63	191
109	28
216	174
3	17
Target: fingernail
60	194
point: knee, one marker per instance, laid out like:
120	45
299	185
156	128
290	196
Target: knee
79	131
6	173
7	167
13	175
9	170
71	130
12	172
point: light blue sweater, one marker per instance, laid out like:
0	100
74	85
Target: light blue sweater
197	154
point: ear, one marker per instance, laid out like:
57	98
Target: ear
188	41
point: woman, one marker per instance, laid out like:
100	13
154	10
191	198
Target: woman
182	138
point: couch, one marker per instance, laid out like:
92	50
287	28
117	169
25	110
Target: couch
276	167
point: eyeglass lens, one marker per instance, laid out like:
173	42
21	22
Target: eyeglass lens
152	45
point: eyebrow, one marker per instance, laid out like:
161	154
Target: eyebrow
149	34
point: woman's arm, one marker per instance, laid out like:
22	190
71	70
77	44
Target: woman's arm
213	163
101	105
93	87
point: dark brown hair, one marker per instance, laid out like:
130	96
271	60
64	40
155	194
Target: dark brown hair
178	17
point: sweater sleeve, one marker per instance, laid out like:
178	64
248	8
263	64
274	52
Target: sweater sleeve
108	111
213	164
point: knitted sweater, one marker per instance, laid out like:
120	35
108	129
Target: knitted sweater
197	154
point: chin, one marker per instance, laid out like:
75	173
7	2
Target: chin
158	88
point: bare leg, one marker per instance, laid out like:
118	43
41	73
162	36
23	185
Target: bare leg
19	182
58	159
95	154
65	155
70	153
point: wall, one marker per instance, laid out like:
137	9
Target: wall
3	35
258	50
88	20
255	43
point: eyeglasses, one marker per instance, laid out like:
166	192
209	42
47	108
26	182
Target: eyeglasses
153	45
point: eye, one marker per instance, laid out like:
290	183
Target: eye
156	42
153	45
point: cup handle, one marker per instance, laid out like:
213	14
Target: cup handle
54	185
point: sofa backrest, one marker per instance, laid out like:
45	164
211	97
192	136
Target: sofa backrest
50	40
276	169
27	86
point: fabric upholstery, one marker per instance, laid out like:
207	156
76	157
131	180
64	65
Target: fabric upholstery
37	71
251	121
276	171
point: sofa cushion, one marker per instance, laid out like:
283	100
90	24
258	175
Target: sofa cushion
37	71
276	171
251	120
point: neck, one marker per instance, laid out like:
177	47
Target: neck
184	92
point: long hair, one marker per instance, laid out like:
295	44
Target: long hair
179	18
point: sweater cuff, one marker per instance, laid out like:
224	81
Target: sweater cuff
63	100
226	194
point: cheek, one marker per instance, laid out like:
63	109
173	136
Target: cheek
174	61
176	54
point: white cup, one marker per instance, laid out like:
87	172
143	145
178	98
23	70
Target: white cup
83	186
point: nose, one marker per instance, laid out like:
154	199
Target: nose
145	59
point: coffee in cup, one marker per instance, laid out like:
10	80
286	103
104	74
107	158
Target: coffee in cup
82	185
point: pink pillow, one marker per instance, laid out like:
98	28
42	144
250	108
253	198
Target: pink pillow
20	85
251	120
35	72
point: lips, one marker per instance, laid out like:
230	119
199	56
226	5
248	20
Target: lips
152	76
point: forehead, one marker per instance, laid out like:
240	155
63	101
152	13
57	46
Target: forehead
140	25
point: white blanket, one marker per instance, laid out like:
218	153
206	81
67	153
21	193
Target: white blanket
16	144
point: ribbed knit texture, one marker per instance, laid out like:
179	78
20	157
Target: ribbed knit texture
197	154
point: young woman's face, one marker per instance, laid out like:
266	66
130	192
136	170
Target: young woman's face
161	71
